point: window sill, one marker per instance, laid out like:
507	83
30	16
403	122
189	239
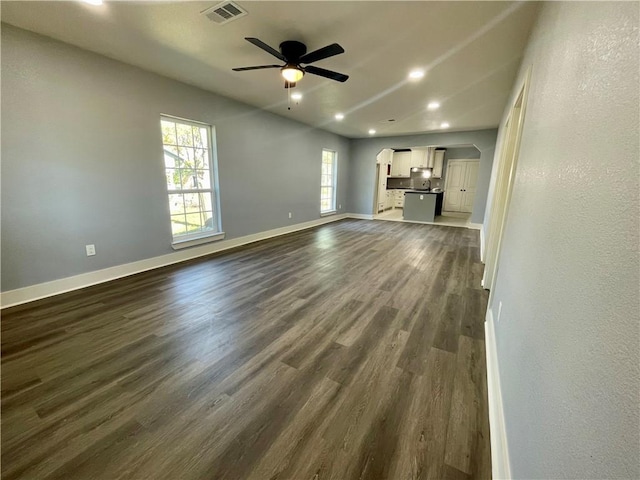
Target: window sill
326	214
193	241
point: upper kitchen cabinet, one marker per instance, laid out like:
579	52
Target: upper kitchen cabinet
401	166
385	157
419	157
438	160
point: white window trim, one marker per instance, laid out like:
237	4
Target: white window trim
185	241
334	177
193	241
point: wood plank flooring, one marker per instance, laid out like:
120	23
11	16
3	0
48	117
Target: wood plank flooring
351	351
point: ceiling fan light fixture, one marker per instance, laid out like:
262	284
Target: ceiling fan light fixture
292	74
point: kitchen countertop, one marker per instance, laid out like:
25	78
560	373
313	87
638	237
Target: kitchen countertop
422	191
413	190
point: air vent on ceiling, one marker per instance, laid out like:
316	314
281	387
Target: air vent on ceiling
224	12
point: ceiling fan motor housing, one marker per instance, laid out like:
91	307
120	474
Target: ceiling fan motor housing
293	50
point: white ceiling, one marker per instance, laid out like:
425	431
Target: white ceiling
469	50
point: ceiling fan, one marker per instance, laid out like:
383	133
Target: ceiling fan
294	54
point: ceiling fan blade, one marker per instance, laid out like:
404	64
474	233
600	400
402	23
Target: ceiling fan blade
266	48
257	67
339	77
322	53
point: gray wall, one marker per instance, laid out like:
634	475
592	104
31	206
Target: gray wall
362	174
82	161
568	337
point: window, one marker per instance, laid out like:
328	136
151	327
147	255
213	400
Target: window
189	170
328	182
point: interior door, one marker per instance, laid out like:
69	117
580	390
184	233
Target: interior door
382	184
454	186
469	186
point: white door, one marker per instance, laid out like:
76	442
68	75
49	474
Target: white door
469	186
454	186
460	185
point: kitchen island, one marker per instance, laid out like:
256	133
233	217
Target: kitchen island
422	205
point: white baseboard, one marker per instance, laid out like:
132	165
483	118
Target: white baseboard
361	216
475	226
501	468
19	296
482	244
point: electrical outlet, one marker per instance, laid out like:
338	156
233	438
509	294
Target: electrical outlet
499	310
290	215
340	206
91	250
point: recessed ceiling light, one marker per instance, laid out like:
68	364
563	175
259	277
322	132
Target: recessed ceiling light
444	125
296	96
93	2
433	106
372	132
339	116
416	74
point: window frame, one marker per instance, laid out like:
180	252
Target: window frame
198	238
334	182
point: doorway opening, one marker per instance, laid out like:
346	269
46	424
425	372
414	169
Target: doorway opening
429	172
504	187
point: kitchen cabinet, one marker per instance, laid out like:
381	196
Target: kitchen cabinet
398	199
382	186
419	157
385	157
401	166
395	167
388	200
437	164
422	206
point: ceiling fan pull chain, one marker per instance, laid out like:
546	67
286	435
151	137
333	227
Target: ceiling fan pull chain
288	99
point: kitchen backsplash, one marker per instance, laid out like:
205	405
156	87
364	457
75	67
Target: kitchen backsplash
415	181
399	183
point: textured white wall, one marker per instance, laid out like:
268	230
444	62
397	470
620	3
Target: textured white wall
568	339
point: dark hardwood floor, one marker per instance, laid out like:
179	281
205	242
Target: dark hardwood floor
351	351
